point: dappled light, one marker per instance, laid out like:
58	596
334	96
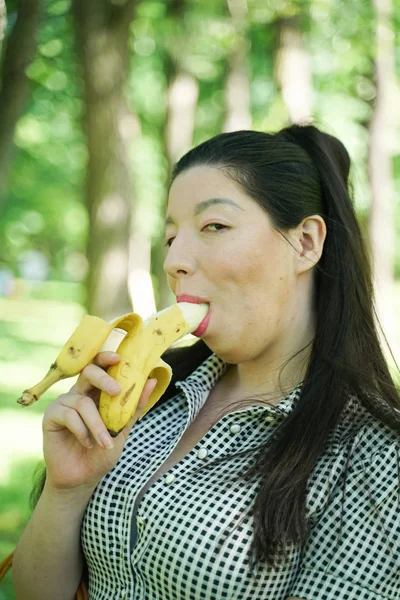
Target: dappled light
94	112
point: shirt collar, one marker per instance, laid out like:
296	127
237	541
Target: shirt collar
199	383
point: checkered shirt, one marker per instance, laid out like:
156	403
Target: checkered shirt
184	544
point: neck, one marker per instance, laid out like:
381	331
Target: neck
270	375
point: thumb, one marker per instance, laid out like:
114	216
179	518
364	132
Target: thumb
146	393
143	400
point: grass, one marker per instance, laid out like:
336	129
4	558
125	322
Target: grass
31	335
32	331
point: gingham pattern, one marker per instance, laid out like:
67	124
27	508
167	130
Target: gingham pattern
174	553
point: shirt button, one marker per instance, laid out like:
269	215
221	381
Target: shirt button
169	479
234	428
202	453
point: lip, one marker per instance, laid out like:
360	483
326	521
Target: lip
203	326
197	300
192	299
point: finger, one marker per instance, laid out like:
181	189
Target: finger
146	393
94	376
62	417
87	410
106	358
103	360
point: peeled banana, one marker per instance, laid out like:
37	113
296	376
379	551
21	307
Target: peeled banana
140	353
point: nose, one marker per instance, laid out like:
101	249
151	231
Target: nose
180	259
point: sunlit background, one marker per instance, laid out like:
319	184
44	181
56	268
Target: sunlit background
93	114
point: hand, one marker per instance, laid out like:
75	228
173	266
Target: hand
76	444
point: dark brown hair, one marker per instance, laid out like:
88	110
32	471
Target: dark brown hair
298	172
292	174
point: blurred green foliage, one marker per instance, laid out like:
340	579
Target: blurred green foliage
31	334
45	207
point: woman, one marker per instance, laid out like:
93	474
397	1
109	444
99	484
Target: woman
279	430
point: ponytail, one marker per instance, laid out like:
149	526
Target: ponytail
295	173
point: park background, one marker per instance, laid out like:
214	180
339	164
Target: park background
98	99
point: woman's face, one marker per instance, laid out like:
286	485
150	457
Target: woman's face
229	254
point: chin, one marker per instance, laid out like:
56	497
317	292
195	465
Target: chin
233	356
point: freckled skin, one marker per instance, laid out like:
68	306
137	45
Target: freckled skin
259	286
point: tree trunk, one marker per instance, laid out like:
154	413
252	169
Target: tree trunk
140	283
19	51
102	32
293	70
384	128
237	90
3	21
182	96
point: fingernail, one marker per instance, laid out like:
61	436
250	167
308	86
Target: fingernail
114	388
106	441
88	442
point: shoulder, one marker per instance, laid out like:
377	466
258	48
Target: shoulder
368	451
361	458
353	542
362	433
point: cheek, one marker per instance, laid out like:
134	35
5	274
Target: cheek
243	259
235	272
266	280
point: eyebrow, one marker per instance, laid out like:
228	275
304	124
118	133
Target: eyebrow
202	206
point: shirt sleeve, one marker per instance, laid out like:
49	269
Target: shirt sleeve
353	550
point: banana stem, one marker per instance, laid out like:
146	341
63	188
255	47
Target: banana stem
30	396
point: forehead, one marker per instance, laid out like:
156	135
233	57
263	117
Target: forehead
198	188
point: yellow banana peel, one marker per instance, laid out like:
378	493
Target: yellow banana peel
140	353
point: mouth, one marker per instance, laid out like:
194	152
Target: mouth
197	300
193	299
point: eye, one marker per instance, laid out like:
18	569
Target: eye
169	242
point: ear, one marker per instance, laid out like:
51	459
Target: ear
310	237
